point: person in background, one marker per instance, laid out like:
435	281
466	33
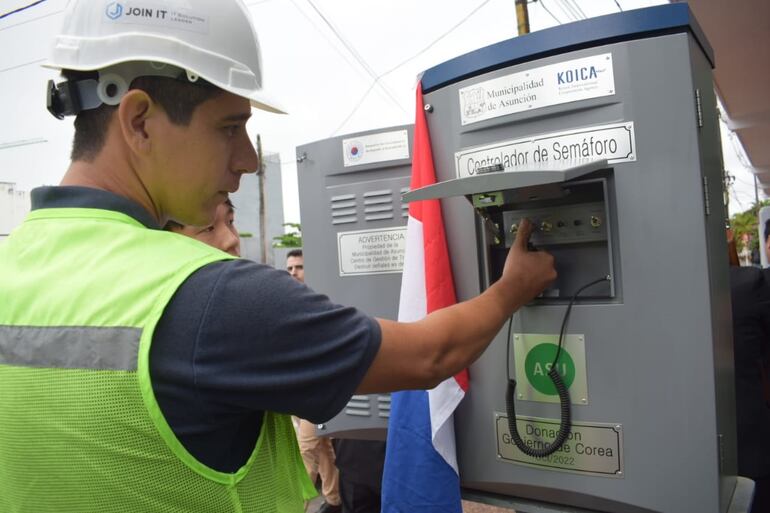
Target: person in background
221	234
750	294
317	451
766	232
295	265
360	463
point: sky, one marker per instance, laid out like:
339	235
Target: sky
337	66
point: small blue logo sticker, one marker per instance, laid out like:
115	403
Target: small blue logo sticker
114	10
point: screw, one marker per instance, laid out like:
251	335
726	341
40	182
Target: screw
521	396
428	107
619	472
583	400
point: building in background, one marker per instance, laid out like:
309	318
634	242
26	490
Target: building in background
246	202
14	207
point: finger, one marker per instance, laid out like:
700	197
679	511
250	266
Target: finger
522	235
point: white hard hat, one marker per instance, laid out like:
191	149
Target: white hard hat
122	40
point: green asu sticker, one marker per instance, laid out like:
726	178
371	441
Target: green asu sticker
534	354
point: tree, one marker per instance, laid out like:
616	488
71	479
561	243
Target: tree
746	223
291	239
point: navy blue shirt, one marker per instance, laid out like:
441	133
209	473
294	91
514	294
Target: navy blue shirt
237	339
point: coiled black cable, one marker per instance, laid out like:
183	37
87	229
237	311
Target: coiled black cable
565	424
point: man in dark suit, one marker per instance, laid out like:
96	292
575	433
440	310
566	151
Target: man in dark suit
750	290
360	463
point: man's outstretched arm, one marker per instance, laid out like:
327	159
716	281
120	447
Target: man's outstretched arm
419	355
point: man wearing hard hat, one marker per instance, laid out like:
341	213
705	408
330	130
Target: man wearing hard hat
142	371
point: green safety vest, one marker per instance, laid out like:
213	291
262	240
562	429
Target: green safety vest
81	291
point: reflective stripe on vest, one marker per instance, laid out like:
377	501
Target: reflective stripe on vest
68	347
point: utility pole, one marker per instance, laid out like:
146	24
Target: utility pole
262	216
726	183
522	17
756	191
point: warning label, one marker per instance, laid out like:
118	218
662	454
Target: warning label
371	251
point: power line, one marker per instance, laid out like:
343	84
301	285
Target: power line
577	8
734	141
355	54
15	11
568	18
21	142
439	38
31	19
738	150
743	163
572	9
354	109
737	179
405	61
345	57
334	47
21	65
735	196
618	4
549	12
566	9
745	193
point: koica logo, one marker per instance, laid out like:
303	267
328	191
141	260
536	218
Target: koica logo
114	10
582	74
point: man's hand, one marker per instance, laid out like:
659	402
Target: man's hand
422	354
526	273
